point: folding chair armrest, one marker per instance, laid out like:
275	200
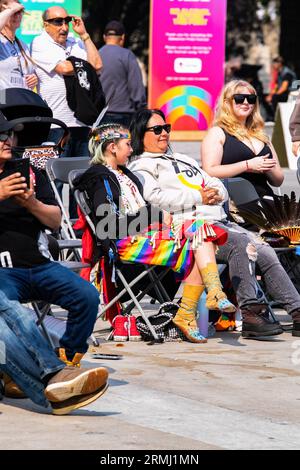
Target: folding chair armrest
68	244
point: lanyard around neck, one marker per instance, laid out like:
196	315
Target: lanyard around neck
17	51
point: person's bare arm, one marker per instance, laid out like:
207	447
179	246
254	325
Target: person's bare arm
12	185
48	215
8	11
294	126
212	154
296	147
283	88
93	56
31	80
64	67
275	174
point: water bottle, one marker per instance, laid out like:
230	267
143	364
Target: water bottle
202	318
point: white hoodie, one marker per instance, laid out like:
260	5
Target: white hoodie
173	182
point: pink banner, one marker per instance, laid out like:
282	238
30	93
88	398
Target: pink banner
187	53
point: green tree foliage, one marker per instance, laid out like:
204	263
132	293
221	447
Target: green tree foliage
242	26
133	13
289	36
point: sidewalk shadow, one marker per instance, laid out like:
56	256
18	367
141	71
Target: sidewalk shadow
233	338
229	337
27	405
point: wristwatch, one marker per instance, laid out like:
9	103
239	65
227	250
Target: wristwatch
85	37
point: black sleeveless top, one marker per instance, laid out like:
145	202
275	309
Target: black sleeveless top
236	151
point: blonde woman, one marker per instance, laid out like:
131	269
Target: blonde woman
237	144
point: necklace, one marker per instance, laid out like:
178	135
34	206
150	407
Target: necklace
113	169
251	145
6	37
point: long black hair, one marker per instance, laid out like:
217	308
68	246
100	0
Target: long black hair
138	127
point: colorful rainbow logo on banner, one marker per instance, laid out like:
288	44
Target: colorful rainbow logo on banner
186	100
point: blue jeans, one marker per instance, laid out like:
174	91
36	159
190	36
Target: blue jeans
24	354
57	285
277	282
77	146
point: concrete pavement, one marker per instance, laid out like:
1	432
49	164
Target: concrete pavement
230	393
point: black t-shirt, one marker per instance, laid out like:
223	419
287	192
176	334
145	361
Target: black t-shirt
20	230
286	75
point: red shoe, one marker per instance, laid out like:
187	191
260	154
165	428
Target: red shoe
120	324
133	332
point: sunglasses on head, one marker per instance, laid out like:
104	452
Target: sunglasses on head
4	135
240	98
159	128
60	21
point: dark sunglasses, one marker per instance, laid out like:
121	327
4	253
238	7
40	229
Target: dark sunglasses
60	21
4	135
158	129
240	98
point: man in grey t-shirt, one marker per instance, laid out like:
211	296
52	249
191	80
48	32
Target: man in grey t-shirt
121	77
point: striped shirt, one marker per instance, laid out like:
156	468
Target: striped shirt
47	54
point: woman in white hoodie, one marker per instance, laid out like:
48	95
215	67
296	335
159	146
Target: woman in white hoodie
177	184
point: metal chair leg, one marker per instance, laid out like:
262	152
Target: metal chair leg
40	323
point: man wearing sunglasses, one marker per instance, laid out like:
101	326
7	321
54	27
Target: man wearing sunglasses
50	51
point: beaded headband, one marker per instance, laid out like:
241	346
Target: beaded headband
111	135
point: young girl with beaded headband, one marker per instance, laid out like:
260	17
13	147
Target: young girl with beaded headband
149	241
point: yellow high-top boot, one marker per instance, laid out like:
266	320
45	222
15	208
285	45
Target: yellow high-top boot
75	361
216	299
185	318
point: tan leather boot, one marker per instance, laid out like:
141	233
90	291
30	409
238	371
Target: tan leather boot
11	389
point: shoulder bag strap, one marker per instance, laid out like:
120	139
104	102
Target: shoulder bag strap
109	196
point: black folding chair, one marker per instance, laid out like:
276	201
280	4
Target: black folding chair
155	278
58	171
